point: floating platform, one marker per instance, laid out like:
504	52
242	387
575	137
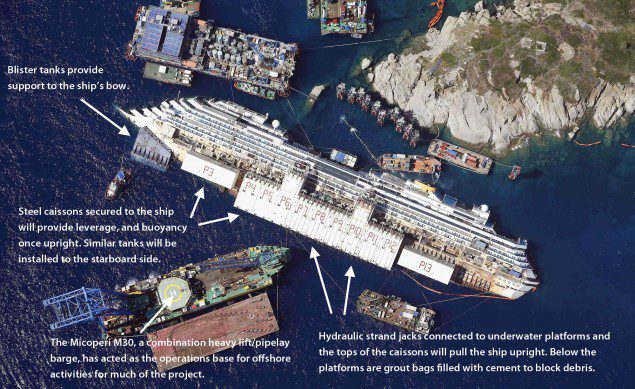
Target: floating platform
344	158
393	310
149	150
167	74
460	156
187	7
409	163
179	40
313	96
213	332
316	92
345	17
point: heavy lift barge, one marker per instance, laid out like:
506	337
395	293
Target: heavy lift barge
257	65
379	218
393	310
190	289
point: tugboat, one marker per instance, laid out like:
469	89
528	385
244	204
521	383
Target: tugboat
381	115
366	102
414	138
375	108
351	95
340	90
118	184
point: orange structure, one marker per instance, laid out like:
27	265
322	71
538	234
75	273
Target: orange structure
435	19
586	144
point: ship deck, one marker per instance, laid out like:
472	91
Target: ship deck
344	17
167	74
460	156
392	310
202	47
187	7
248	319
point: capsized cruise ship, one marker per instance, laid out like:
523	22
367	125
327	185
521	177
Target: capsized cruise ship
381	219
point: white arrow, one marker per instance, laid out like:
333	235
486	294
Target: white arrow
199	195
230	216
314	254
122	129
350	274
166	303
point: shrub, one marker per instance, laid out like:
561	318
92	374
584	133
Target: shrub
449	59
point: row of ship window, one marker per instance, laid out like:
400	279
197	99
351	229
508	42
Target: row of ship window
490	250
451	234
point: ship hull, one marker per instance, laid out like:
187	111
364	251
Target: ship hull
195	288
374	218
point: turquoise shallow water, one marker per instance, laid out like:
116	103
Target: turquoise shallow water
575	205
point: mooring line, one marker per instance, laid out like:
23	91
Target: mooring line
300	124
350	44
353	130
300	92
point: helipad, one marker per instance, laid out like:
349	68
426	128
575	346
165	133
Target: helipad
178	289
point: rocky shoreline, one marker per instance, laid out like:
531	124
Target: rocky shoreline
492	116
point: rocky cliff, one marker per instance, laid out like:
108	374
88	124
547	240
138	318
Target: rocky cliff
490	86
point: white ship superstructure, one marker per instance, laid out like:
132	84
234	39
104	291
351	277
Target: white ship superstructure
380	219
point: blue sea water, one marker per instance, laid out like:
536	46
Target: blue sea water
576	206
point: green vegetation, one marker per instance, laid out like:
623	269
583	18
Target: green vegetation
530	67
618	55
503	77
483	64
449	59
554	22
606	51
616	11
574	39
578	13
570	70
493	37
552	54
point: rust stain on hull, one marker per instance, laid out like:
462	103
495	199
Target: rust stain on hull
248	319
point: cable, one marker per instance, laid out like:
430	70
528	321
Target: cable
354	132
300	124
350	44
387	278
302	93
456	317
